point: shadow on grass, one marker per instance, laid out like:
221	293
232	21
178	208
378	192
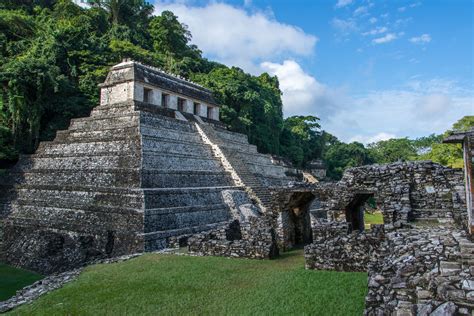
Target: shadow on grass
14	279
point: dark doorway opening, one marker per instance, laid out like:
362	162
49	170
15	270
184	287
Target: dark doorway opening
296	221
300	222
355	211
181	104
164	100
147	95
197	106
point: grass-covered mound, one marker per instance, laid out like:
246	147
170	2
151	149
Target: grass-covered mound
13	279
181	285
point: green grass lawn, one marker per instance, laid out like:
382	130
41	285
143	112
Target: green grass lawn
13	279
156	284
372	218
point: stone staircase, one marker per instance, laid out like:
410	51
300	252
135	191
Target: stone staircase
236	162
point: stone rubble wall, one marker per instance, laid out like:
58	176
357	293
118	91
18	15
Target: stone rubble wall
404	191
334	249
254	239
428	271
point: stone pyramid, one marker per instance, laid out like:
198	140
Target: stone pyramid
150	163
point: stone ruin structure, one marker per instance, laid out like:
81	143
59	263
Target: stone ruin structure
152	167
421	261
404	192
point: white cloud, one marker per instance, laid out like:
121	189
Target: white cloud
361	10
302	93
368	139
377	30
433	105
416	109
402	9
424	38
236	37
385	39
343	3
373	20
414	5
344	26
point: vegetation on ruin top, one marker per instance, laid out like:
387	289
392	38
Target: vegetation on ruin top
182	285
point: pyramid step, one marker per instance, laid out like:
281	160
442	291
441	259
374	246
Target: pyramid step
98	161
163	122
115	109
174	197
182	217
166	133
90	146
101	122
56	217
180	178
180	161
96	134
232	136
175	146
125	177
78	197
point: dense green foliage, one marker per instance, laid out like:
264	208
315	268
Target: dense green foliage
340	156
423	148
183	285
14	279
449	154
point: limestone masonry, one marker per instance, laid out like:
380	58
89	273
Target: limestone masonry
152	167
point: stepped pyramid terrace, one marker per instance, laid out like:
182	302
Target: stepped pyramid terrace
150	166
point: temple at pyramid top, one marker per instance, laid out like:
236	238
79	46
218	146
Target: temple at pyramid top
131	80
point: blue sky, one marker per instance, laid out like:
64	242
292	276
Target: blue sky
370	70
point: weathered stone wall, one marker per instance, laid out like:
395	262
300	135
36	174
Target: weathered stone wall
427	271
254	239
404	191
334	249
